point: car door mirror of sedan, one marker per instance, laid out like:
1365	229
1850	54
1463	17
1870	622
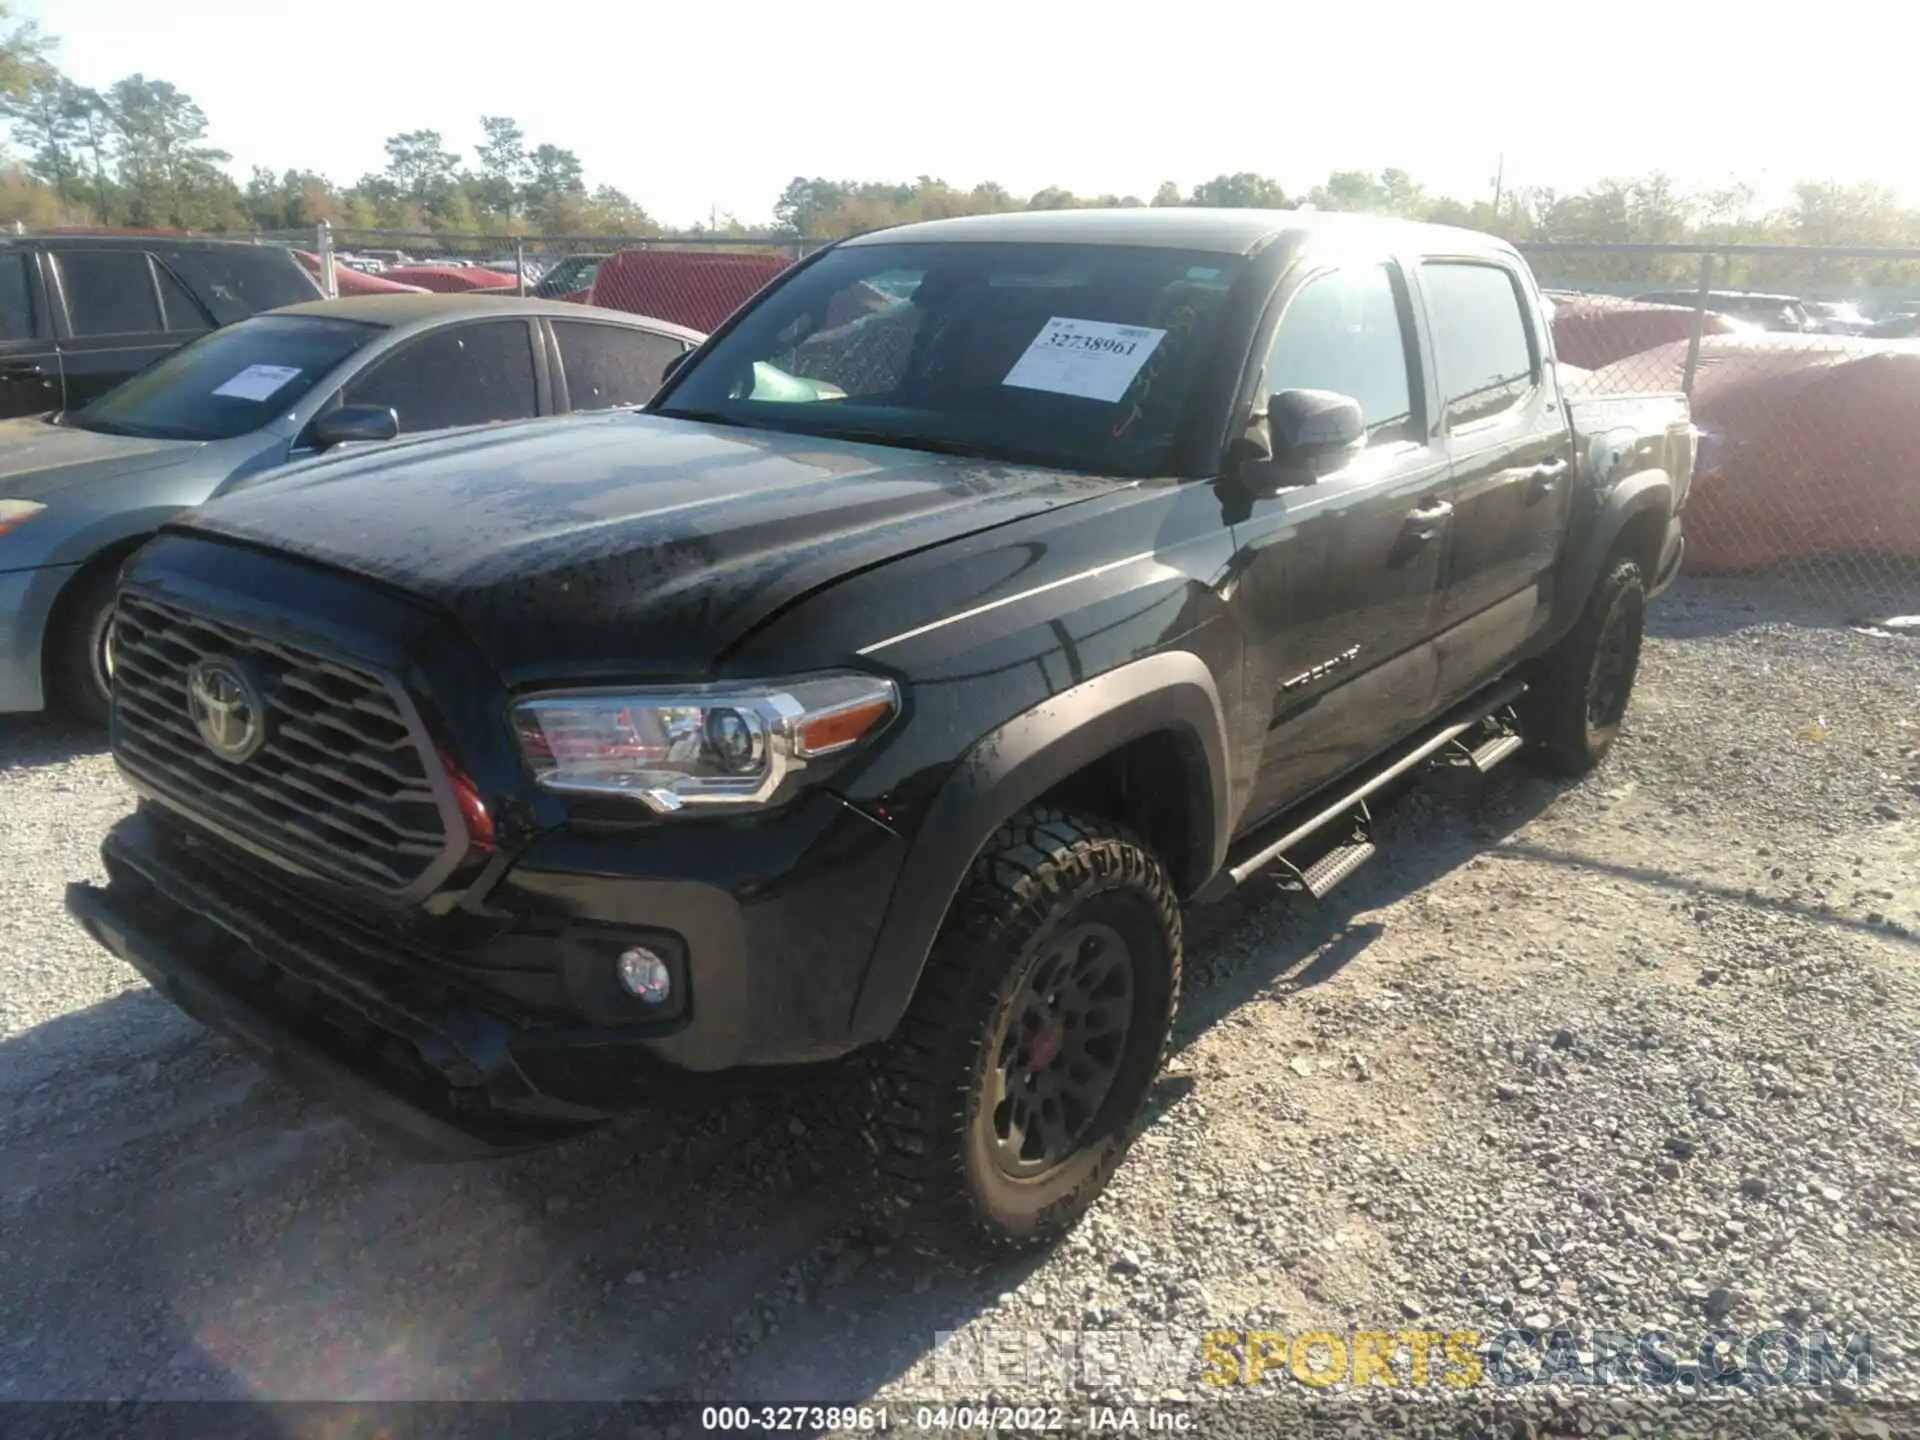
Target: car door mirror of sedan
355	425
1304	435
672	365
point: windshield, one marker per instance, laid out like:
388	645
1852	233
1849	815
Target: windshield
1077	356
226	383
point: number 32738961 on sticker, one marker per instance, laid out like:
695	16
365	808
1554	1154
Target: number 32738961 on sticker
1093	359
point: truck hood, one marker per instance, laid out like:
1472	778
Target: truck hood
38	459
625	545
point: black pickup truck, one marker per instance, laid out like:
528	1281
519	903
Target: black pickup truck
978	595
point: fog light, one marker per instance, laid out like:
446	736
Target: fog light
646	975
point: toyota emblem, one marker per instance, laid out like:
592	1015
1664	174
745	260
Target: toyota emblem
226	708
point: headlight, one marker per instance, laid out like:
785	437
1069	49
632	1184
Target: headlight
17	512
713	746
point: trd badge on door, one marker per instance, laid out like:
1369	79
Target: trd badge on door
1323	669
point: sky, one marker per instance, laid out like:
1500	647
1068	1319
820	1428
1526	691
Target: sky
693	108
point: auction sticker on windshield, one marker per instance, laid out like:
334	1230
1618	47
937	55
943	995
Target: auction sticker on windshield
258	382
1089	358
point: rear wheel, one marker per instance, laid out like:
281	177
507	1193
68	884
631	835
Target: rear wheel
80	665
1578	698
1017	1079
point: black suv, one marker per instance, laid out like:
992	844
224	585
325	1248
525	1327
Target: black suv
980	593
80	313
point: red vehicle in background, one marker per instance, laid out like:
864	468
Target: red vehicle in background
349	281
449	279
692	288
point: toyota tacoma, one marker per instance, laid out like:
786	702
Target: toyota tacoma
978	596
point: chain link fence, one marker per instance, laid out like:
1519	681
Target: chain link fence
1802	362
1803	367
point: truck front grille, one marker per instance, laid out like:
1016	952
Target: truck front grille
339	784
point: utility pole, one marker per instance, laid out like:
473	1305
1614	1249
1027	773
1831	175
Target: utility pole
1499	175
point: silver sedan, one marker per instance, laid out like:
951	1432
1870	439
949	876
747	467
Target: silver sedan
81	491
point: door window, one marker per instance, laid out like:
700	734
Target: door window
183	312
1482	345
1343	331
16	302
609	365
109	292
463	375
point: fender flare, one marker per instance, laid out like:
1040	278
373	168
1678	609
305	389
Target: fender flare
1634	496
1014	765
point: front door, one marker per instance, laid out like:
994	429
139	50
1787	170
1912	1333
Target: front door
114	327
1340	578
1513	464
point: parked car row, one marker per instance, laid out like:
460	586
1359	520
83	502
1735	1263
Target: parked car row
83	486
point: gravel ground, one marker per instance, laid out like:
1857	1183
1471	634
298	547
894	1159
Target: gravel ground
1635	1052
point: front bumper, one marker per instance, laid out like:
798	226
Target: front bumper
455	1054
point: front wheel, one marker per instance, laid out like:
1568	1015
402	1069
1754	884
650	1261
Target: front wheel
1578	698
81	664
1016	1082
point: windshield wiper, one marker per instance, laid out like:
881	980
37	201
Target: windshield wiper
104	427
987	454
707	417
866	435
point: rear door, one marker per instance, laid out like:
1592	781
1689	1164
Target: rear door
603	366
1341	577
111	321
29	360
1511	450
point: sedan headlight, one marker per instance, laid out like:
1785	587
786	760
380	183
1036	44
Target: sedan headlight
17	512
709	746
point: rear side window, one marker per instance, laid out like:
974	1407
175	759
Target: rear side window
1342	332
182	311
248	278
109	292
609	365
462	375
1480	339
16	298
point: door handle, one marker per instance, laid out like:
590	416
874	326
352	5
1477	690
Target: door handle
1542	479
1428	521
21	369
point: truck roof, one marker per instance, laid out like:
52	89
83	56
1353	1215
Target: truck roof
1230	232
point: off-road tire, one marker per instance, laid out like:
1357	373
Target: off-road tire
1580	690
76	673
1045	876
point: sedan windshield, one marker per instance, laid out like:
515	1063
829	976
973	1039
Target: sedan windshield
1077	356
227	383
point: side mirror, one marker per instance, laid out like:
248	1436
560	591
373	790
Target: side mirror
1314	431
1304	434
674	364
355	425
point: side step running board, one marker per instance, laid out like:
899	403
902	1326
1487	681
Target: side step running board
1336	865
1327	872
1490	753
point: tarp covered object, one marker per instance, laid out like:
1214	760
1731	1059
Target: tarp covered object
349	281
1597	330
1810	445
449	279
695	289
